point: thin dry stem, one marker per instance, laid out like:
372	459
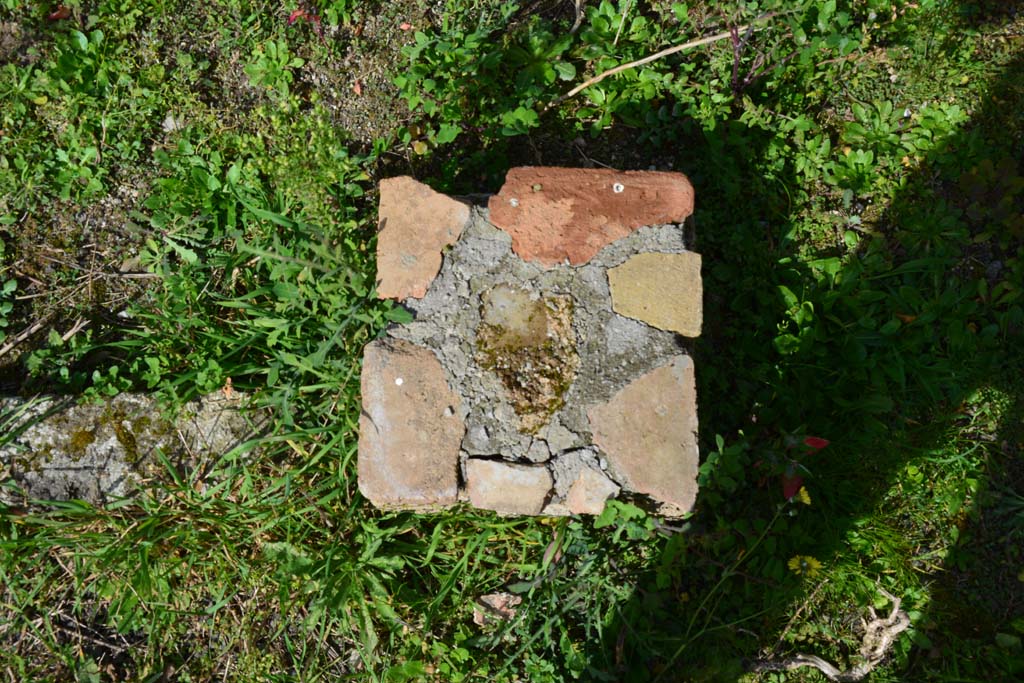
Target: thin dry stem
879	635
579	16
23	335
658	55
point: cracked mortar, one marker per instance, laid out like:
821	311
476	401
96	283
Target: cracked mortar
586	362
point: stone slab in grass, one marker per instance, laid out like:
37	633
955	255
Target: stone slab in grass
56	449
536	359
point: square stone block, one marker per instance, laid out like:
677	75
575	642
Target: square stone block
547	367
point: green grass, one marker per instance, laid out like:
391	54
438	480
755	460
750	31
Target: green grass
860	193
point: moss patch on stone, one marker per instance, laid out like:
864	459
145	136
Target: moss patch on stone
528	342
80	441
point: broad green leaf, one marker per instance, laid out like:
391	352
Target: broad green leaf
187	255
286	291
398	315
788	296
1008	641
81	42
447	133
565	70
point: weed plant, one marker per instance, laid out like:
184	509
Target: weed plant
860	193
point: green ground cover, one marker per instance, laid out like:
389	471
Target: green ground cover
187	198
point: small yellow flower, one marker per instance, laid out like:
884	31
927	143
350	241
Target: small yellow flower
803	496
804	564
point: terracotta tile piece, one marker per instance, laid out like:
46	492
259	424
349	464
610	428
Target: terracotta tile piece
409	430
507	487
416	224
648	431
559	214
589	493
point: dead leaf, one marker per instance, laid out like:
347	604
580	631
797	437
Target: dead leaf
61	12
357	88
495	607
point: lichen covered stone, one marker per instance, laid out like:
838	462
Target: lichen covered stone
99	452
528	341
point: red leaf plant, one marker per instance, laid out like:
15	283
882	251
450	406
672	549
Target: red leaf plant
816	443
62	12
793	482
311	18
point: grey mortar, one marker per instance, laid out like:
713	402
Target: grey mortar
566	469
613	350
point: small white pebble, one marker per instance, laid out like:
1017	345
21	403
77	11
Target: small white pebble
514	202
448	412
399	381
618	187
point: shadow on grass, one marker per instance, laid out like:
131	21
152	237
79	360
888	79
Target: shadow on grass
897	336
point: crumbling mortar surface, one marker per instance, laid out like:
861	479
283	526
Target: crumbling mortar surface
612	350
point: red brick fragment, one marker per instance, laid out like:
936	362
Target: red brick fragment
569	214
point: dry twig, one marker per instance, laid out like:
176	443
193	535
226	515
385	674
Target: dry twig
622	20
796	615
658	55
879	635
24	334
579	16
